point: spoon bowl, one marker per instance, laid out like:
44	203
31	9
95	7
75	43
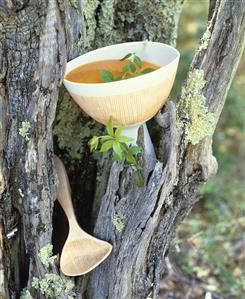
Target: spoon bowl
81	255
81	252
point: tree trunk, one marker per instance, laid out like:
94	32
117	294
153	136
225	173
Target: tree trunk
36	39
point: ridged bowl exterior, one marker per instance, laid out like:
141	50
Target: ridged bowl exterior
130	108
130	101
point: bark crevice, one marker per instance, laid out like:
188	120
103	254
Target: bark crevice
36	39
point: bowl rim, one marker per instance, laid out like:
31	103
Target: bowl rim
122	82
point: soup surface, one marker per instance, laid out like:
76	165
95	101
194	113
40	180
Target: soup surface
90	72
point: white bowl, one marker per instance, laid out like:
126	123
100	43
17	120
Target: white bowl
130	101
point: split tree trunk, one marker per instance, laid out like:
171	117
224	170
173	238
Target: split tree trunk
36	38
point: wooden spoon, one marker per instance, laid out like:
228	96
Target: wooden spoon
81	252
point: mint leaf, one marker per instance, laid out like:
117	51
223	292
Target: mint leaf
132	67
147	70
126	68
118	132
106	146
135	150
124	139
106	76
137	61
117	78
109	127
93	143
130	158
106	137
117	149
126	56
138	178
117	158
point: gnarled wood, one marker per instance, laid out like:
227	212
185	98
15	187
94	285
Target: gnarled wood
33	58
151	214
36	38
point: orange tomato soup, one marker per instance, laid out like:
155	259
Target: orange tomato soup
90	72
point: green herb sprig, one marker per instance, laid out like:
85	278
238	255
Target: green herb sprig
121	151
130	70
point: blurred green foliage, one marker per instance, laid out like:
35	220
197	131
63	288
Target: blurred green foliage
212	238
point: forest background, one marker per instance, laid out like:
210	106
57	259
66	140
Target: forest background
209	252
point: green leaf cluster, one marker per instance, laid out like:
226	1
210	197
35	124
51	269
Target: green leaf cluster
130	70
116	142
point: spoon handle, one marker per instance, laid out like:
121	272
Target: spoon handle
63	194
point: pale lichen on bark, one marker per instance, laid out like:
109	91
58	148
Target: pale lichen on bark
51	285
89	8
74	4
25	294
117	221
54	286
24	130
139	20
205	39
198	122
46	255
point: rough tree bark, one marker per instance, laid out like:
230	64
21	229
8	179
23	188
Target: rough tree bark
36	38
